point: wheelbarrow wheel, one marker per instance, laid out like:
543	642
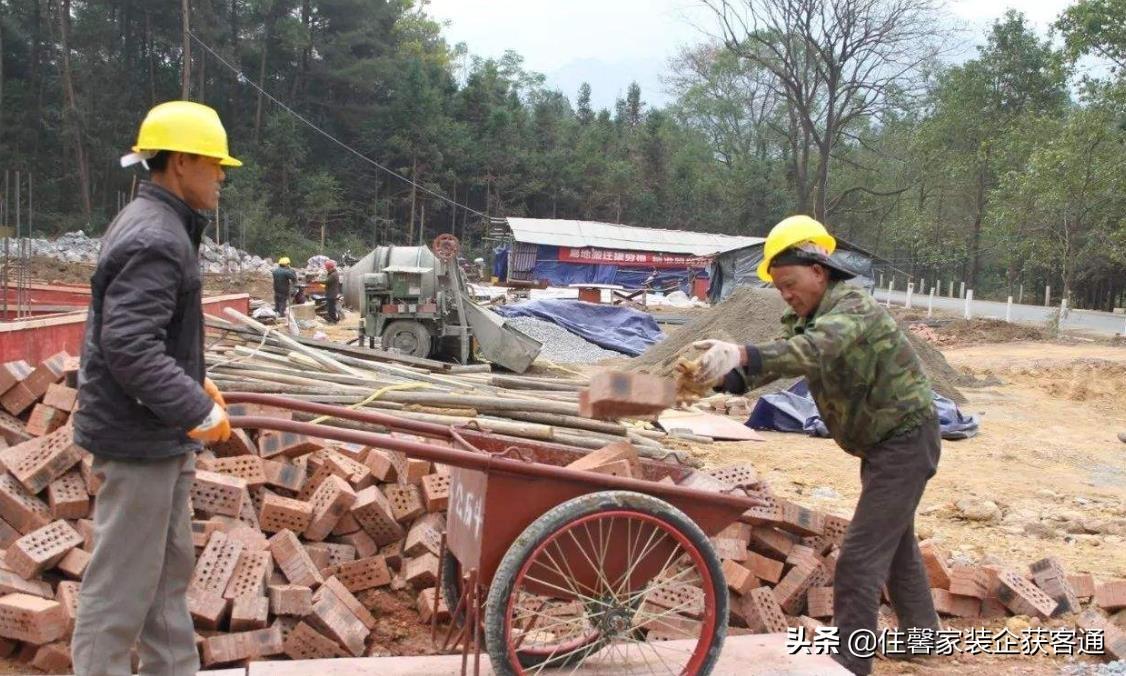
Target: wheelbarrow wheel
604	579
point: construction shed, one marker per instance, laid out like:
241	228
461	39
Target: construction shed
563	252
739	267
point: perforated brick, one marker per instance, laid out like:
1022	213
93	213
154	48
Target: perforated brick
346	524
319	474
61	397
335	620
969	581
1111	595
1084	585
202	530
45	419
820	602
354	472
425	605
406	502
742	474
249	613
216	565
67	596
762	612
31	619
333	586
363	544
772	542
41	548
38	462
800	520
283	475
18	399
1022	597
934	560
207	609
685	599
280	513
367	573
731	542
425	535
832	536
74	563
246	467
293	560
615	394
216	493
93	481
13	372
238	444
12	429
739	579
436	492
50	370
67	497
11	583
225	648
291	599
21	509
250	575
952	605
286	444
379	464
8	535
421	571
332	499
375	515
306	643
338	552
790	591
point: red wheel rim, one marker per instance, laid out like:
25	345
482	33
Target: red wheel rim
588	633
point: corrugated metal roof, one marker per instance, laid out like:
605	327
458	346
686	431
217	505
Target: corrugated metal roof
561	232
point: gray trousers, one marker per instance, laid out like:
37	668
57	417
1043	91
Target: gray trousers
134	587
880	545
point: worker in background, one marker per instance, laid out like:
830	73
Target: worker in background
285	279
332	291
146	404
877	403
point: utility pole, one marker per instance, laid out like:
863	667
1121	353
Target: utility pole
186	64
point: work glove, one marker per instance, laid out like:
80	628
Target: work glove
215	427
720	358
212	391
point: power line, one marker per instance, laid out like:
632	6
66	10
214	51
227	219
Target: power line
245	80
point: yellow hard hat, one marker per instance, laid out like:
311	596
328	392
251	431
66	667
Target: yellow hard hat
284	260
791	231
182	126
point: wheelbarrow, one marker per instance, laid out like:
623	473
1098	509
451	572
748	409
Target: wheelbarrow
577	569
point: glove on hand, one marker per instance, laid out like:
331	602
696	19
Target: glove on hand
215	427
720	358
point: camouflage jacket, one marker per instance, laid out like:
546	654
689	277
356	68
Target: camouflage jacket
862	372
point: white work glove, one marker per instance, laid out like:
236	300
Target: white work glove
720	358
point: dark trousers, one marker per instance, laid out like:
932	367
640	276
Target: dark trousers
880	545
280	301
330	309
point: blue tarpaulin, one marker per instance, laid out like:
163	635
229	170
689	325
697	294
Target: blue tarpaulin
562	273
794	410
613	327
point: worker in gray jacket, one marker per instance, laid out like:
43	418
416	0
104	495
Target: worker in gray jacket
145	404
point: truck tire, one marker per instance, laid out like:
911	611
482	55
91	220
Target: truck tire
408	337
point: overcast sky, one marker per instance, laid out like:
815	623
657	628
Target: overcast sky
610	43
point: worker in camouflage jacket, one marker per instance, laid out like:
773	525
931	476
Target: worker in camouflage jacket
877	404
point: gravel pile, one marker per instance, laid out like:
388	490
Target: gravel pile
1115	668
559	344
77	247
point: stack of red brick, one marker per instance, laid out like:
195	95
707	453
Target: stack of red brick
779	562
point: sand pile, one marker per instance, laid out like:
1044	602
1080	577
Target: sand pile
751	315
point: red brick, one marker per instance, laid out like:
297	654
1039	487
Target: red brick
802	554
249	613
335	587
280	513
13	372
245	645
67	596
67	497
31	619
346	525
366	573
791	590
291	599
239	444
306	643
425	535
250	575
992	608
949	604
331	617
1111	595
614	394
201	532
406	502
363	544
765	568
206	608
12	429
739	579
1022	597
1084	585
41	549
393	555
354	472
52	658
771	541
379	463
820	602
763	613
293	560
246	467
50	370
436	492
834	530
10	583
21	509
617	452
425	605
421	571
800	520
38	462
731	542
45	419
216	565
934	560
18	399
286	444
74	563
376	516
332	499
8	535
93	481
408	471
969	581
60	397
216	493
283	475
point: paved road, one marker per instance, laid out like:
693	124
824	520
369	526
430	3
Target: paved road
1104	323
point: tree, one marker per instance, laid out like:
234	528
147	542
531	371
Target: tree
833	62
1096	27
